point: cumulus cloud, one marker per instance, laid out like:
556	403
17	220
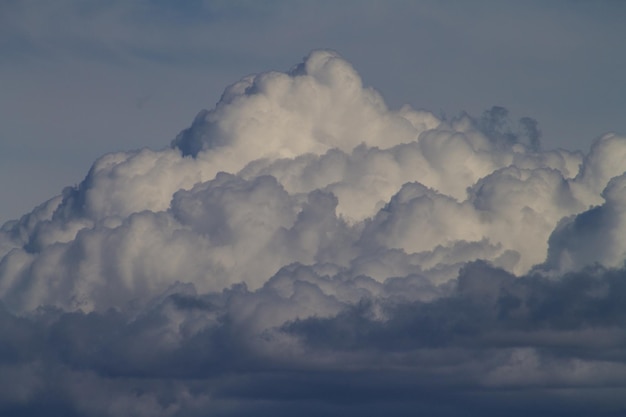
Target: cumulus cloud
301	245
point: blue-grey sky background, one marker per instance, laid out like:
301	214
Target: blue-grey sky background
82	78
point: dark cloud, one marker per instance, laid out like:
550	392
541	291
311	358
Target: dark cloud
494	341
495	123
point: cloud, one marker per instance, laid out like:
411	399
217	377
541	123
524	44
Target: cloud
301	245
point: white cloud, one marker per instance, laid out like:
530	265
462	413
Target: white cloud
302	225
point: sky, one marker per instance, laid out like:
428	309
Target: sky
312	208
83	78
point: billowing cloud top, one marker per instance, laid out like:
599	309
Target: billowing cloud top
301	243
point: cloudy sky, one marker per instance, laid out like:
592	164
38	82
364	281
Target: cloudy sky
312	208
82	78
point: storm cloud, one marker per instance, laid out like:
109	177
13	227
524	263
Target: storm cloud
301	247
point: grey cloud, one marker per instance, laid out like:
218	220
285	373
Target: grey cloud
496	124
489	331
488	308
530	129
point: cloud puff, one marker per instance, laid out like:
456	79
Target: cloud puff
302	244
